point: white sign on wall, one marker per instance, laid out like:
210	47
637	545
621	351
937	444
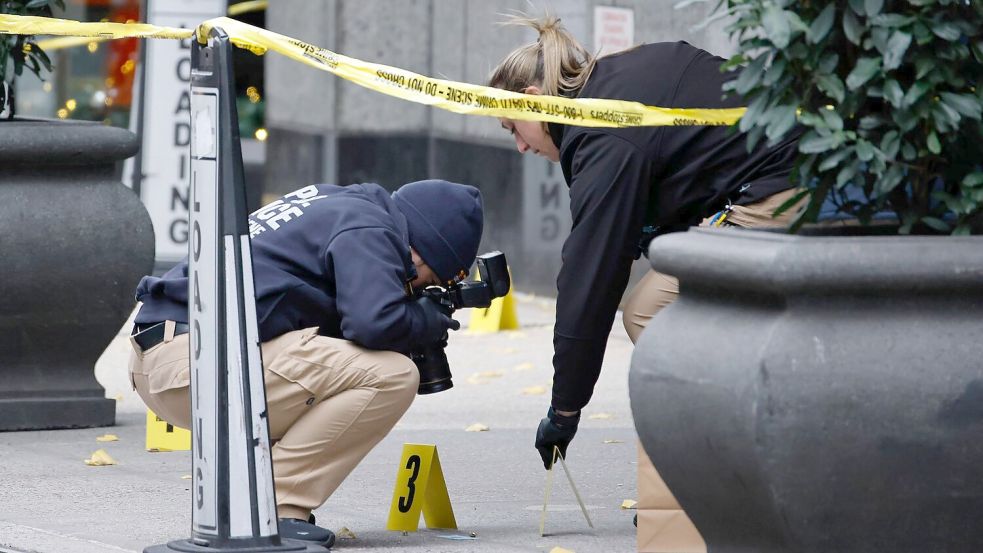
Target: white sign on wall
614	29
165	162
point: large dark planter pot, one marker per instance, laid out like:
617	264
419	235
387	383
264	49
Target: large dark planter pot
818	394
74	242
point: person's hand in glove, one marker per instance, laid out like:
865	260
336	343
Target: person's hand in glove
555	430
436	320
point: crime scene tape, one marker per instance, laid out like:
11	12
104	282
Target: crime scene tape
60	43
452	96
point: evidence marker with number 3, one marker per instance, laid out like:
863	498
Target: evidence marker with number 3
420	487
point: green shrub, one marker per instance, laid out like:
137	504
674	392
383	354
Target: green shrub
889	95
21	50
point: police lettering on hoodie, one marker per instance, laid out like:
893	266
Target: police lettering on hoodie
284	210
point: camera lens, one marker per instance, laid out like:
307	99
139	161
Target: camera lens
435	373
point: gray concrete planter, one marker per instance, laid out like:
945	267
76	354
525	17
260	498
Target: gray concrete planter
73	245
818	394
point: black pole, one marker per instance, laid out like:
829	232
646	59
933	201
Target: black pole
231	443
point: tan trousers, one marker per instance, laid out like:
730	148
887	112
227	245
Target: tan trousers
663	526
657	290
330	402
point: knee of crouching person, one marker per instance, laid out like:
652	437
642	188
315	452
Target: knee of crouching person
406	378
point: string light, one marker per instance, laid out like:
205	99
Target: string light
261	134
93	46
62	113
46	87
253	93
127	67
71	104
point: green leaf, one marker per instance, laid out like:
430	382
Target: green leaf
822	24
832	119
791	202
896	48
751	75
857	6
832	86
865	150
889	180
34	4
852	28
782	119
915	93
776	26
893	92
908	151
834	159
937	224
946	31
812	143
965	104
754	111
847	173
973	179
866	68
829	62
775	72
890	143
873	7
891	20
933	143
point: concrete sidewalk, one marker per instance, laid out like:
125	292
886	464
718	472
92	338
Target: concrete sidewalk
53	502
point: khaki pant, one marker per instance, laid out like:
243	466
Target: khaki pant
330	402
663	527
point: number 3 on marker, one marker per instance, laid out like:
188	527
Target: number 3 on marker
406	502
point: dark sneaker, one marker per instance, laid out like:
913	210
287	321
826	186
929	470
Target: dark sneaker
302	530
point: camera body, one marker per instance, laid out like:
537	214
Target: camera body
431	361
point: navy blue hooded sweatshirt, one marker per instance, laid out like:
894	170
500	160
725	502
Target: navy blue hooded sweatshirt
333	257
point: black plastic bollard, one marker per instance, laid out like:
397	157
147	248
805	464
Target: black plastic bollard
234	508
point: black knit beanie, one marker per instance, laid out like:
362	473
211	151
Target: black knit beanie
445	221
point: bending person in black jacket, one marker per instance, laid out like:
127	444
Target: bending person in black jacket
625	179
334	269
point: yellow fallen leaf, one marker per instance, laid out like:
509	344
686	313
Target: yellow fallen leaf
185	477
100	459
533	391
476	427
507	350
560	550
601	416
107	438
613	442
475	379
490	374
628	504
522	367
345	534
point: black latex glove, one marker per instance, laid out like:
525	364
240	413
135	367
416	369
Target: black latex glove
555	431
436	320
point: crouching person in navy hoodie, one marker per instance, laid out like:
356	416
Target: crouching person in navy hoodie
334	269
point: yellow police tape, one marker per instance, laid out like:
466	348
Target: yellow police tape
449	95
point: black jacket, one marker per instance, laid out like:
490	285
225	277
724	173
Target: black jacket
328	256
679	174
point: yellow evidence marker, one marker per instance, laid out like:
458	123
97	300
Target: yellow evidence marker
500	315
163	436
420	487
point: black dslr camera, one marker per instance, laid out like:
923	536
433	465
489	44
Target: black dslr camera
431	361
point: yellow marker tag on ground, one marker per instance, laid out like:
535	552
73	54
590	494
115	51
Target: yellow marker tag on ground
420	487
500	315
162	436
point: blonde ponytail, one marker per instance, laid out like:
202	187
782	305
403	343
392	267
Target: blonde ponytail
556	62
